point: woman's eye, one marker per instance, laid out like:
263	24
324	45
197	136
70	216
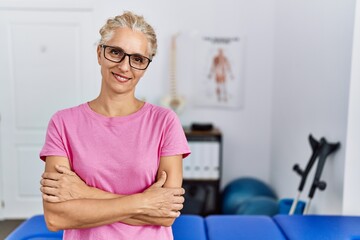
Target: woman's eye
115	52
138	59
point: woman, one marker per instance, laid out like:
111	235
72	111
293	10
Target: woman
118	146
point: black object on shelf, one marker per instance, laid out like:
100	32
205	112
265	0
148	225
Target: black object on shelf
202	126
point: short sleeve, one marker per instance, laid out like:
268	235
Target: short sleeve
175	141
54	145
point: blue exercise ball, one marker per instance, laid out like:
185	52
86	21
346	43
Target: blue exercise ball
258	206
242	189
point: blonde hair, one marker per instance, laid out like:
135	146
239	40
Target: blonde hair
135	23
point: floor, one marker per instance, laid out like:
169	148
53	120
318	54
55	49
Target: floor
7	226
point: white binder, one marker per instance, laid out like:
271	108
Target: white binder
203	162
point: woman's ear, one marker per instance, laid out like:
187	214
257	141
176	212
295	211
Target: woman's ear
98	50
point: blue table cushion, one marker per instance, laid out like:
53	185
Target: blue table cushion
230	227
189	227
235	227
34	228
186	227
309	227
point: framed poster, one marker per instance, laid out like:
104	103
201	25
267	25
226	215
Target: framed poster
219	72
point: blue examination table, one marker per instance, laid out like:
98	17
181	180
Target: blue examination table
231	227
186	227
317	227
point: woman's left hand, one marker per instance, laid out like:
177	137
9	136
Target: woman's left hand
62	186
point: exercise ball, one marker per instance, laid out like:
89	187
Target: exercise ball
241	189
258	206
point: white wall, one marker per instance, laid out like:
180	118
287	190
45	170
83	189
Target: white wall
312	62
246	131
352	164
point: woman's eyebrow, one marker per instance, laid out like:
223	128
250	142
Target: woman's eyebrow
119	48
116	47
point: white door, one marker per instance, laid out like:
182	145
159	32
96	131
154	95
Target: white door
47	62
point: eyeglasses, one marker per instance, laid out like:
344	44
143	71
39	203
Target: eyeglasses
116	54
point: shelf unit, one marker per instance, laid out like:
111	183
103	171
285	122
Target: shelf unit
202	172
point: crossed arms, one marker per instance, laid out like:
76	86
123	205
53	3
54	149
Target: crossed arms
70	204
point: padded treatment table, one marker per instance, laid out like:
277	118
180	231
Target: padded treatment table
34	228
235	227
186	227
189	227
309	227
231	227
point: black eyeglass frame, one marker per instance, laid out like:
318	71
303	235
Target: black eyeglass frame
125	54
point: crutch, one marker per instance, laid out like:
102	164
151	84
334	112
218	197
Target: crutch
315	146
325	150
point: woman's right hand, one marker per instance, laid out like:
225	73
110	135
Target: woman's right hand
62	186
162	202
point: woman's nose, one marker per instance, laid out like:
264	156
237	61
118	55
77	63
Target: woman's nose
124	64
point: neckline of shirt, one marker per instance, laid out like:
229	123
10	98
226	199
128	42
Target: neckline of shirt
106	119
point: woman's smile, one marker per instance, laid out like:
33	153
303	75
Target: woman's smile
120	78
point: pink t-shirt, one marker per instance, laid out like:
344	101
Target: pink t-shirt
116	154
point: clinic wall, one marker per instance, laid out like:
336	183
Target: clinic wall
246	130
351	197
313	44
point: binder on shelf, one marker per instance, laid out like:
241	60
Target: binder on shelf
215	161
187	166
203	162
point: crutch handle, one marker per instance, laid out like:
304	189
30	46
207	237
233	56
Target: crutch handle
315	146
298	170
326	149
321	185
